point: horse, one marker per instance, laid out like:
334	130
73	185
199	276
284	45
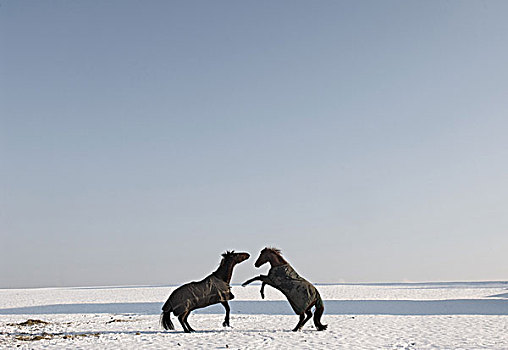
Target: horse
213	289
301	294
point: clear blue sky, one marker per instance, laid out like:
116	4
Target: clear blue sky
141	139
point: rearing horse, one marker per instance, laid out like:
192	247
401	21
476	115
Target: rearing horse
301	294
194	295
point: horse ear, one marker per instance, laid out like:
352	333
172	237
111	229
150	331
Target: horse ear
227	254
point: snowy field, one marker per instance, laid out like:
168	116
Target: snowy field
361	316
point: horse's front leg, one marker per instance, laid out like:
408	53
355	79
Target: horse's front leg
261	278
226	319
262	291
258	278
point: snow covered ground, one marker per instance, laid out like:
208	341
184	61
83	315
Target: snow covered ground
359	316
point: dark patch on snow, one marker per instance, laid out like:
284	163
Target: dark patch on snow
30	322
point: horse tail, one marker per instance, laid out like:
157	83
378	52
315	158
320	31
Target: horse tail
165	320
320	308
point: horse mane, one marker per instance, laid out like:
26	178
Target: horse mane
274	250
228	254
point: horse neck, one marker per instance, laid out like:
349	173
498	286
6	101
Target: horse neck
225	271
276	260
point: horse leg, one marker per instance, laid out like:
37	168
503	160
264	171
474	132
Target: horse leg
182	321
264	281
226	319
258	278
309	315
187	322
317	319
300	322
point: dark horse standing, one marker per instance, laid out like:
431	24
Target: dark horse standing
301	294
194	295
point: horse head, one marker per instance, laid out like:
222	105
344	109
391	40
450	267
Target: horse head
234	258
267	255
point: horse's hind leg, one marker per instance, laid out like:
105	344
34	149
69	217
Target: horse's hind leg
300	323
303	320
182	321
187	323
226	319
309	315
